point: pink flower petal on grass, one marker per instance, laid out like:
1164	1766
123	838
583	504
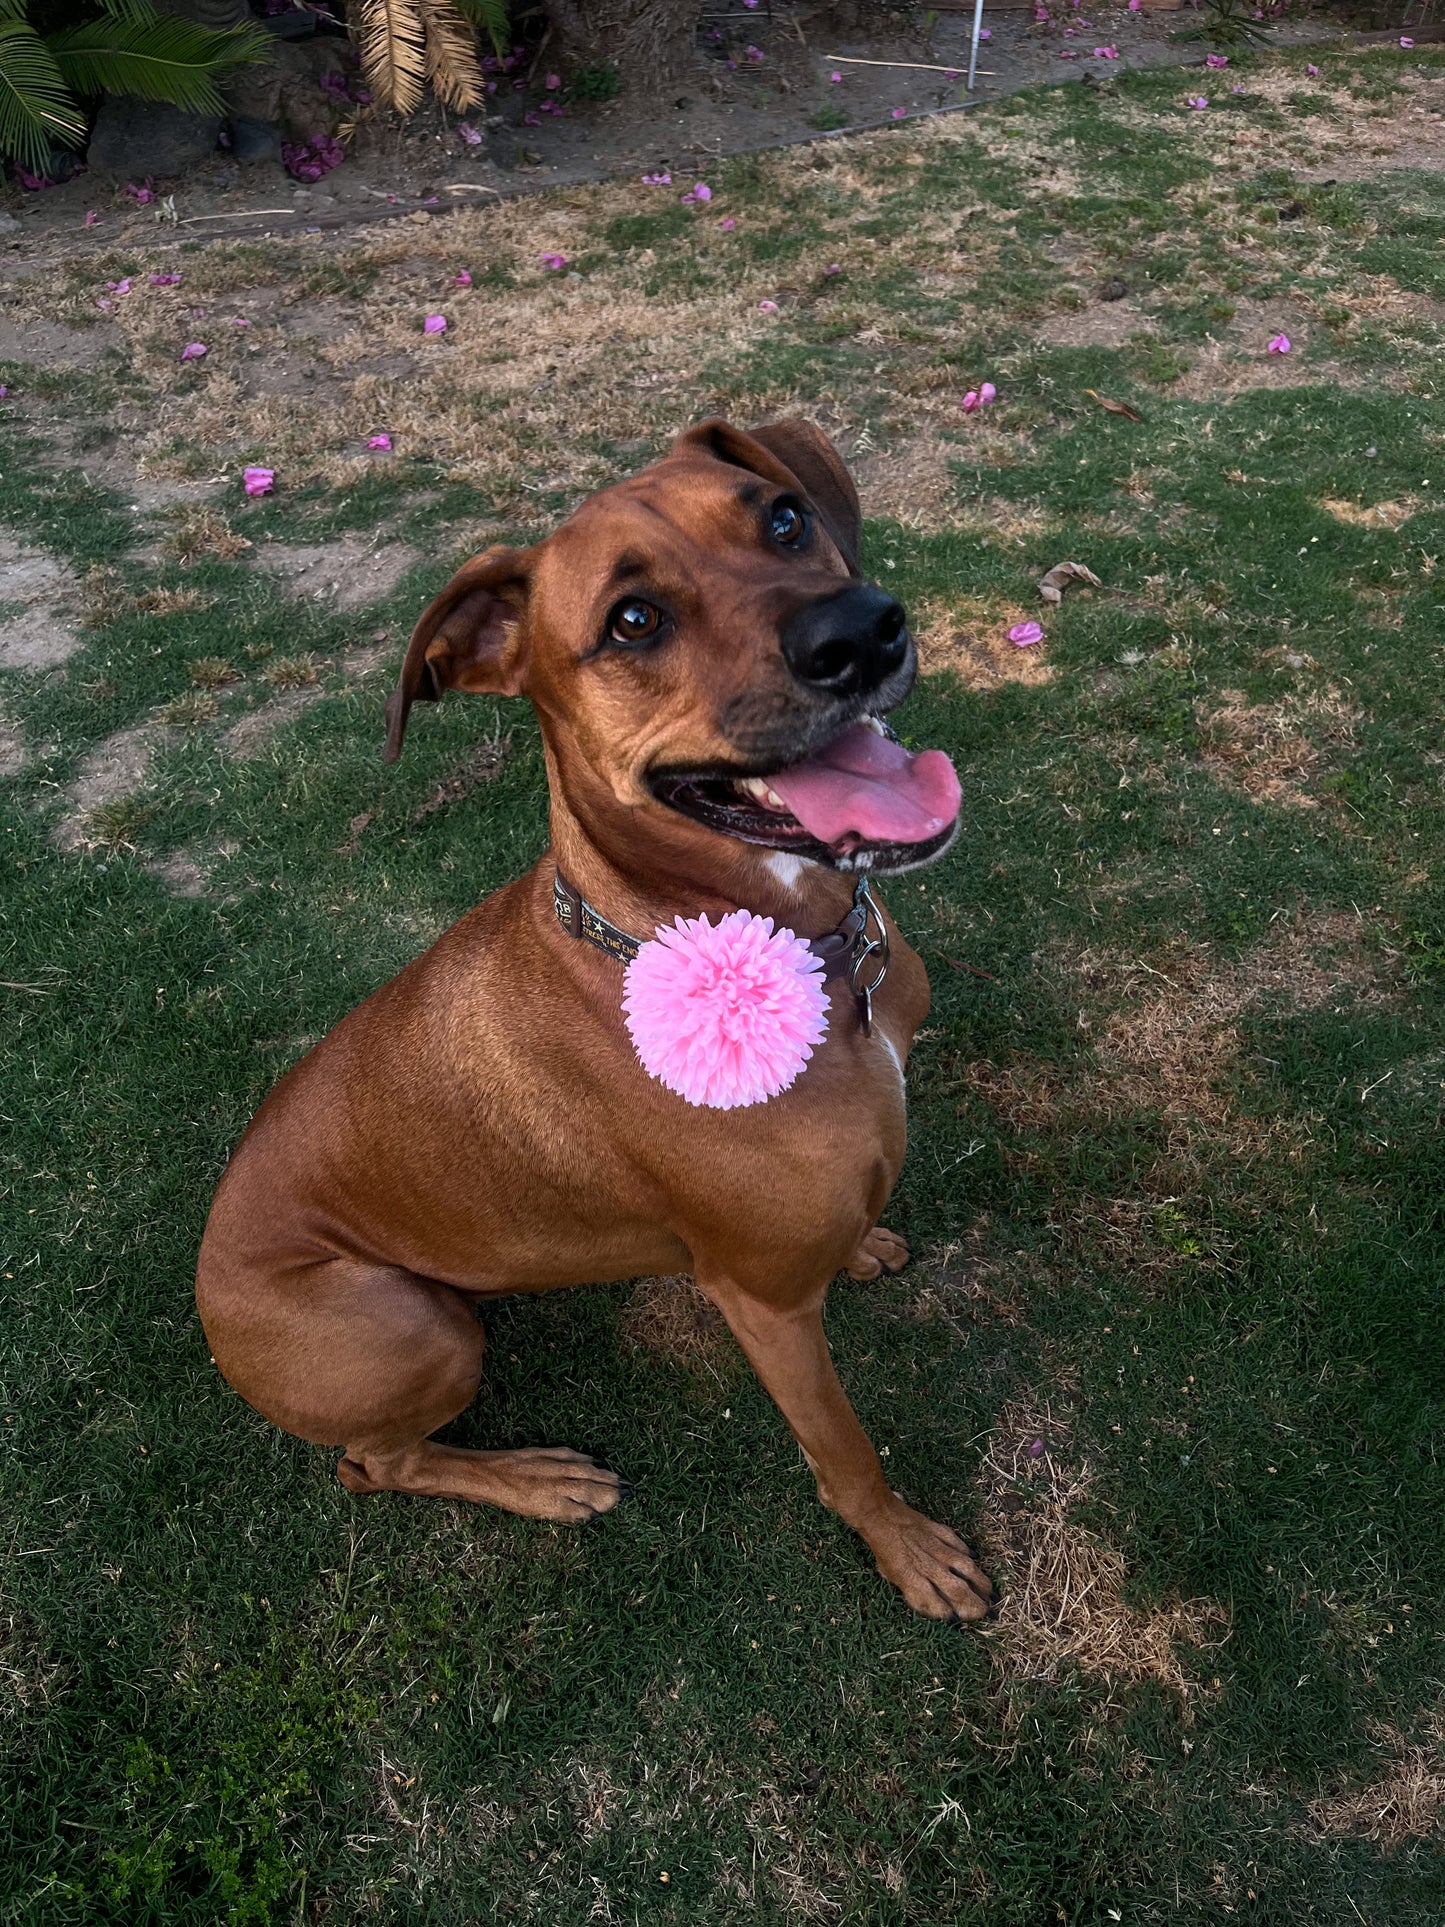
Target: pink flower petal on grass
1311	70
835	77
462	280
91	217
727	224
1024	633
699	194
834	267
554	262
119	287
471	135
660	179
767	307
552	83
193	351
1216	60
165	280
1406	41
382	442
900	113
1106	53
435	324
259	481
1197	101
1277	345
754	55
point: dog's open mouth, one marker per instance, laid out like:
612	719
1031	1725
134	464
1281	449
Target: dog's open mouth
862	802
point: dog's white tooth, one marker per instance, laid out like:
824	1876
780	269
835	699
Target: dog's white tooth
771	797
875	723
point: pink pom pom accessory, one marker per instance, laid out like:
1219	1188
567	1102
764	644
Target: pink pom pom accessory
725	1014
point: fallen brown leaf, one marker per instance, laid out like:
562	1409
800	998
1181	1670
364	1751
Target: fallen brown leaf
1114	407
1052	585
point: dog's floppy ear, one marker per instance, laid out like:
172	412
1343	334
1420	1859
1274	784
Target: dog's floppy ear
466	639
807	457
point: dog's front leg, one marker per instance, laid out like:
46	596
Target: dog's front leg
788	1349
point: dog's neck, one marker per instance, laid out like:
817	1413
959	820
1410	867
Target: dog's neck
640	885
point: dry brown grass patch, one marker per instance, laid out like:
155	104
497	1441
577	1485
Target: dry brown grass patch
1383	515
1062	1584
1269	750
1172	1046
201	530
1407	1801
969	636
671	1318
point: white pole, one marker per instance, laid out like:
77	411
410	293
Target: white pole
973	50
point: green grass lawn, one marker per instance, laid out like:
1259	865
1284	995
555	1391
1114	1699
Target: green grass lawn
1176	1167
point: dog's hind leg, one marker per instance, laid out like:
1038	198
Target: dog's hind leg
375	1359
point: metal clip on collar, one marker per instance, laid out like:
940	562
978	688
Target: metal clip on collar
864	947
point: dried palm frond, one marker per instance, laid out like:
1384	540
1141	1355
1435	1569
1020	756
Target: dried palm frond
392	41
451	55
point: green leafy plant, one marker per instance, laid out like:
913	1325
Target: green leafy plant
125	47
1228	23
598	81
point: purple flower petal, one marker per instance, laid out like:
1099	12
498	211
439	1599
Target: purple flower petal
554	262
435	324
835	77
727	224
379	441
1406	41
91	217
462	280
259	481
165	280
1023	634
1278	345
552	83
1036	1446
1216	60
471	135
193	351
767	307
900	113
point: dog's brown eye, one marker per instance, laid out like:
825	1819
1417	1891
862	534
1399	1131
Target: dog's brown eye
634	621
787	524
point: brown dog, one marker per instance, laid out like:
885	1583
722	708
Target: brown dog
696	641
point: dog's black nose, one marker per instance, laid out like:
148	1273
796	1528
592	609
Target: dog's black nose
847	643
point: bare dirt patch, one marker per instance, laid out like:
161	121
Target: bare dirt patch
250	733
347	574
27	573
1107	324
114	770
14	753
1407	1801
1062	1584
36	639
179	872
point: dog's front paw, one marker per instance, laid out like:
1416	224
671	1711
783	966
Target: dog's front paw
929	1564
878	1251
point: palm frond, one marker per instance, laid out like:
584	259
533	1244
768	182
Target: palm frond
451	55
392	42
492	17
36	108
164	58
129	9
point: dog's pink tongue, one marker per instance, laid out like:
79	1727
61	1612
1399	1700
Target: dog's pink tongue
867	785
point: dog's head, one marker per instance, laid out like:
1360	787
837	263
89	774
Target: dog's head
702	651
